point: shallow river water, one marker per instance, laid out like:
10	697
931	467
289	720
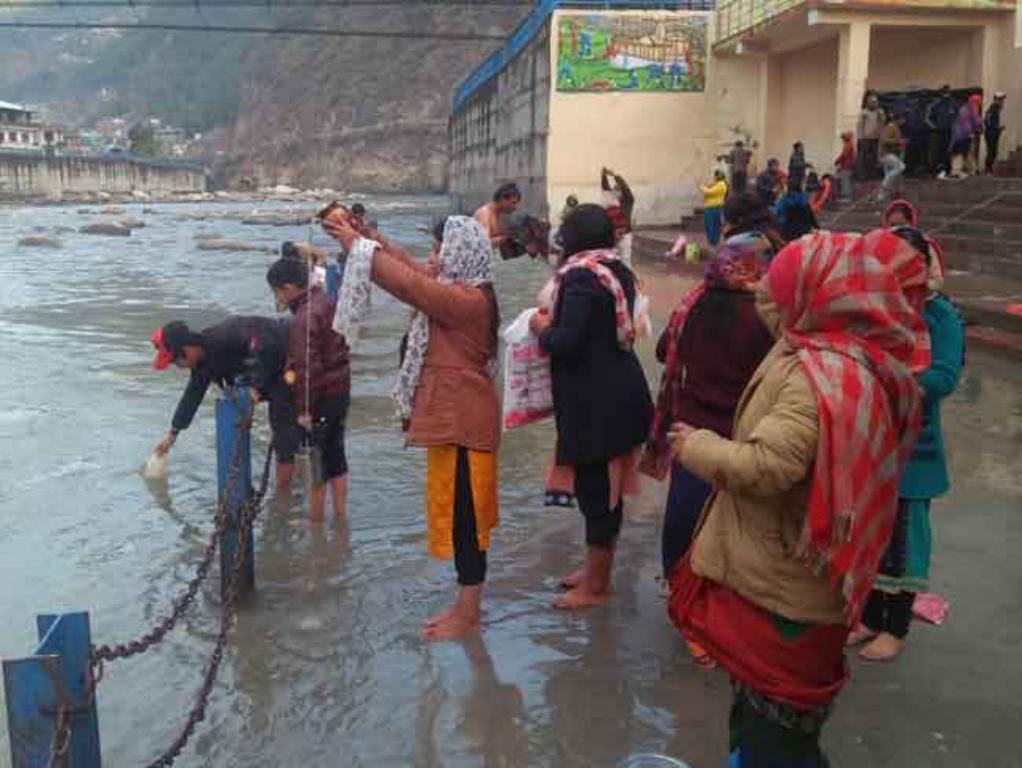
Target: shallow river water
324	666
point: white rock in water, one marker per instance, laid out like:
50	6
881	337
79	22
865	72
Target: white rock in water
156	468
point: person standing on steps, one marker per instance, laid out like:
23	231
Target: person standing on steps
993	128
871	123
940	117
602	406
905	569
892	149
250	351
739	159
797	168
319	364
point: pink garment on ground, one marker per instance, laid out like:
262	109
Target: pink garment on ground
931	608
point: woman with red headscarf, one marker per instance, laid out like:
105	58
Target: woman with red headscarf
805	491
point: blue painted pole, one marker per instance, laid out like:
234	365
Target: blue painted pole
36	686
232	412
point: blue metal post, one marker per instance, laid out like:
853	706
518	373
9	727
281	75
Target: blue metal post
232	435
35	686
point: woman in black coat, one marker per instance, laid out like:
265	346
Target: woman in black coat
602	404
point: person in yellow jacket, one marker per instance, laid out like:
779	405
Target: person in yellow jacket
713	206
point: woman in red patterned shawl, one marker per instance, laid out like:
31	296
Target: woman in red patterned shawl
805	491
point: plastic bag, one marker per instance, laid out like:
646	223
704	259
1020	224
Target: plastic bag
641	317
528	395
156	467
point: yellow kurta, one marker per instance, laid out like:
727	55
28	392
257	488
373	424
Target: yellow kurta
441	477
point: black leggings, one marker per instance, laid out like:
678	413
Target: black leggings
592	490
889	612
469	560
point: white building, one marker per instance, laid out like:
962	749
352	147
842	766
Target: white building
19	129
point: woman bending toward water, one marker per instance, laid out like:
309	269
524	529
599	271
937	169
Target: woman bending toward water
602	406
446	396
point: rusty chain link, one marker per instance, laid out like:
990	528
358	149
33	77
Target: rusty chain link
61	741
246	518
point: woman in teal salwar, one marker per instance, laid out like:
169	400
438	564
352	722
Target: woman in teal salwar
905	569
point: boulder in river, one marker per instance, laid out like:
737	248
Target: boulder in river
131	223
278	219
40	241
233	246
208	236
112	210
109	228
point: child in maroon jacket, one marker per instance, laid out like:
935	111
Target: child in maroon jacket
319	371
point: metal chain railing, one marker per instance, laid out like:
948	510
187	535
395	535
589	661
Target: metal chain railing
184	601
246	517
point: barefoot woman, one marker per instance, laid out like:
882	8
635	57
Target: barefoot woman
447	398
602	404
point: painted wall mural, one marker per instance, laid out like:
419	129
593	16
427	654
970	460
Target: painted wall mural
631	52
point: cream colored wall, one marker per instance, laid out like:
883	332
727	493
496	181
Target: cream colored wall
902	58
1009	79
801	104
739	100
663	144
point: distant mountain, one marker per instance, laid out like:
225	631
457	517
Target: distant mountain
351	112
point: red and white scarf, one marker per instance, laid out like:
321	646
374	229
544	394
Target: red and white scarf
857	336
596	262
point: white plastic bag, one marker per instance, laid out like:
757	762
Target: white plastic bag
528	395
641	318
156	467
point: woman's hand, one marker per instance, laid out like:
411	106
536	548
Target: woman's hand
539	321
165	444
678	436
341	231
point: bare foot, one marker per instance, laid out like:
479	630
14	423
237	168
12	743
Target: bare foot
579	597
432	621
861	634
884	647
450	628
574	579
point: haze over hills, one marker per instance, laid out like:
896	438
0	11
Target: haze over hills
351	112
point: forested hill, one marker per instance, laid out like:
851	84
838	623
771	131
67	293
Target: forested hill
349	112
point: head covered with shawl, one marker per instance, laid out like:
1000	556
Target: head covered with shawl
901	213
465	257
738	265
841	303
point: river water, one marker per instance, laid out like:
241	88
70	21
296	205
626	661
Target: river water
324	666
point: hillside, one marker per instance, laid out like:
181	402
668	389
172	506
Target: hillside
344	112
370	112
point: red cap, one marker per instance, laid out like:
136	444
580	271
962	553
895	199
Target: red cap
164	356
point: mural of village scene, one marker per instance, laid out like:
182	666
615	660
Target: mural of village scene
642	52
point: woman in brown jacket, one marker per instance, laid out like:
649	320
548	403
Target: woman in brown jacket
805	492
446	395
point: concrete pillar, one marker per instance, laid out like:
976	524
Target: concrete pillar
852	73
986	43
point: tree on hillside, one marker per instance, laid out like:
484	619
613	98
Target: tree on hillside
141	140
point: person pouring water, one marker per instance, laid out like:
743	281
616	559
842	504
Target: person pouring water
250	351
